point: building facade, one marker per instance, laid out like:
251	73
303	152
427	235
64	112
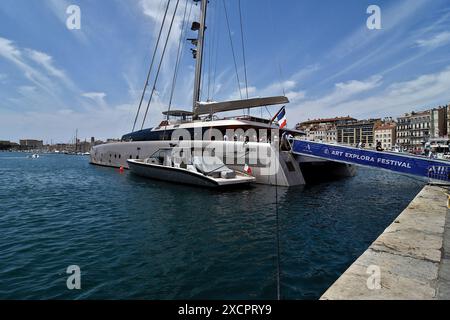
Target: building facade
438	122
413	130
5	145
8	145
448	119
325	122
386	135
316	134
332	135
31	144
361	131
323	130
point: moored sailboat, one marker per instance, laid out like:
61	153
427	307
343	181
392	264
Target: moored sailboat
243	141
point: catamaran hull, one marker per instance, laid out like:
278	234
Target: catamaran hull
315	170
115	155
292	169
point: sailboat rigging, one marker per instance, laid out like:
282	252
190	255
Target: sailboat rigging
246	131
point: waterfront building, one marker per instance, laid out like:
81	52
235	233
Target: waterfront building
31	144
325	122
5	145
386	135
323	129
438	123
361	131
332	135
316	133
321	133
448	118
8	145
413	130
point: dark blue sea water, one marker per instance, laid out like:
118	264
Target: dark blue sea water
137	238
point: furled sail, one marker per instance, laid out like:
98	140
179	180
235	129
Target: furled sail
205	108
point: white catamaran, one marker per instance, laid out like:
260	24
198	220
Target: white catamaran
242	141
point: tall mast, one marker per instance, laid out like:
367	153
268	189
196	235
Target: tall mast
200	45
76	140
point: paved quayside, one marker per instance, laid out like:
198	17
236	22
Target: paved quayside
412	256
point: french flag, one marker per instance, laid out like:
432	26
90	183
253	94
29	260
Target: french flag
281	117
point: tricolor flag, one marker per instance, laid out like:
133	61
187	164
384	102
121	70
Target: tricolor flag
281	117
247	169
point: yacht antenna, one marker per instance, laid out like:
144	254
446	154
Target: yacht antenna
198	53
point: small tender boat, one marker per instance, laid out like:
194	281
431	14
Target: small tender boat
200	171
34	156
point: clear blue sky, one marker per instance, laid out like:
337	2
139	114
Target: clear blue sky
54	80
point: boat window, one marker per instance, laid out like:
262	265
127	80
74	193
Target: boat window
137	157
120	156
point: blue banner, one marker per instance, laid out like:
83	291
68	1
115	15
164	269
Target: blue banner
398	162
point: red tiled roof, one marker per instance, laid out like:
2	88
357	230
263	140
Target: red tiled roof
386	127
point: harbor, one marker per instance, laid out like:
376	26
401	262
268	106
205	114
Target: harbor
130	244
217	150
